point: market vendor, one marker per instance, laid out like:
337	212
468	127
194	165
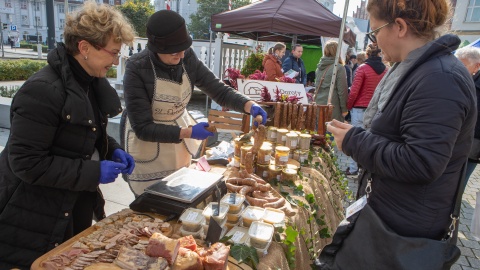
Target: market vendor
160	134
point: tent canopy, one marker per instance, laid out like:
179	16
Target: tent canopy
280	20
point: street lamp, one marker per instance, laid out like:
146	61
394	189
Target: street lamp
39	46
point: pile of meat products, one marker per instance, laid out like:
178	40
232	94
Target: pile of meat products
119	240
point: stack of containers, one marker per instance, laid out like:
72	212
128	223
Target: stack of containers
192	220
260	234
235	202
301	154
239	235
251	214
264	156
221	218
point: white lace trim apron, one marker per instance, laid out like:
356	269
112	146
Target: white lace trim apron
153	160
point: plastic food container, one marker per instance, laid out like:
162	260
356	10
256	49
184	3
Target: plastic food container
281	155
273	216
192	219
222	213
205	226
281	136
260	234
235	201
251	214
229	225
234	218
198	234
239	235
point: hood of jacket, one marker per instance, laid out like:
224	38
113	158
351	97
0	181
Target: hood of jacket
270	57
77	106
376	63
325	62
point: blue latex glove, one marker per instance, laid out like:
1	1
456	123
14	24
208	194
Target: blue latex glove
257	110
121	156
199	132
109	171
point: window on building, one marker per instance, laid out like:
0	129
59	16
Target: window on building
61	25
38	22
61	8
71	8
37	6
23	4
473	11
25	20
8	3
111	2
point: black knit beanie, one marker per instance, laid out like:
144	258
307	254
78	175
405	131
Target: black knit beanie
167	33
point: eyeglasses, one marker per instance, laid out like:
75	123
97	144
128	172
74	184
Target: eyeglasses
115	56
371	35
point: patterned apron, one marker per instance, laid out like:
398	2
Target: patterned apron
153	160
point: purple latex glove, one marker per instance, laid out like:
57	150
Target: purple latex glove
257	110
199	132
121	156
109	171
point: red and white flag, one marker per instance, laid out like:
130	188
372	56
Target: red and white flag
169	5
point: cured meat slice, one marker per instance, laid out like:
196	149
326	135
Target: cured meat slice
161	246
216	257
187	260
132	259
188	242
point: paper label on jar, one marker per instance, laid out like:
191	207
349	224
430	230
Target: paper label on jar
294	143
274	135
237	236
284	158
302	159
284	138
267	157
265	174
192	216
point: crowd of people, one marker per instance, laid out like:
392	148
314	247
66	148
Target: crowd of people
388	116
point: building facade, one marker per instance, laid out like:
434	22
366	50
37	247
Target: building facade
183	7
466	20
27	19
361	12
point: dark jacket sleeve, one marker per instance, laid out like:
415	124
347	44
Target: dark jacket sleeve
287	64
217	90
29	152
138	103
427	134
304	74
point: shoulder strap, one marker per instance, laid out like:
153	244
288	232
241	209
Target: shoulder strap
320	83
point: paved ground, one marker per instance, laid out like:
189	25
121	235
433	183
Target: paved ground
118	195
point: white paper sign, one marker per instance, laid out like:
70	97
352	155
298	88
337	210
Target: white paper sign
253	89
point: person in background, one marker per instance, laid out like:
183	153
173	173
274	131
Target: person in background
354	63
348	69
470	57
59	151
160	133
272	64
364	85
295	62
361	57
421	120
323	78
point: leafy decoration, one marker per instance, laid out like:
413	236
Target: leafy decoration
245	254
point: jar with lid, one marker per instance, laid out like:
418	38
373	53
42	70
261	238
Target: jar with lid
289	175
281	156
274	172
304	141
263	155
303	156
291	140
238	144
272	134
243	153
262	171
281	136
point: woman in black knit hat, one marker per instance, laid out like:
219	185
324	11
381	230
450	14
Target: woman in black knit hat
158	82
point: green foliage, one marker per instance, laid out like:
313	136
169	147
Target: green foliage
200	21
8	91
253	62
291	235
112	72
245	254
17	70
138	12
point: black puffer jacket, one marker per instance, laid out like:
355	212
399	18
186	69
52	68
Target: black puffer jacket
139	84
46	162
419	142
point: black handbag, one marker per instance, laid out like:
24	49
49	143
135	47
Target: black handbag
364	241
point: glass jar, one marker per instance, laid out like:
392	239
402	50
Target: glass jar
262	171
281	156
274	172
281	136
263	155
243	154
272	134
288	175
238	144
304	141
303	156
291	140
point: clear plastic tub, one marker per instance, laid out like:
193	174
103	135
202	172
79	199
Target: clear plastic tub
222	213
235	201
273	216
261	252
239	235
251	214
260	234
198	234
205	227
234	218
229	225
192	219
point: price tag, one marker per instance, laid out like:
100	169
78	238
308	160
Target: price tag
267	157
192	216
284	158
216	209
294	143
265	174
233	198
356	206
284	138
237	236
